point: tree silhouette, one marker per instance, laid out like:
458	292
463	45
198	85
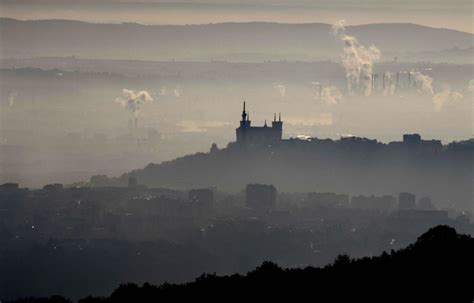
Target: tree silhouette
437	267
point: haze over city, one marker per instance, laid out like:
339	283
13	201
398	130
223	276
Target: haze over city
152	141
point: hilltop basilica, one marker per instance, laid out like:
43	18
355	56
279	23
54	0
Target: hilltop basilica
249	135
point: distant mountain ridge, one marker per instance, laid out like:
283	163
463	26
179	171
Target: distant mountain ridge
254	41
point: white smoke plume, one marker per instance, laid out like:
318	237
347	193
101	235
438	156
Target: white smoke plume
134	101
470	86
331	95
357	60
339	27
11	98
318	90
176	93
171	92
424	83
444	97
281	89
163	91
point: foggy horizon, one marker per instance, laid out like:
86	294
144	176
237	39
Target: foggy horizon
173	150
426	13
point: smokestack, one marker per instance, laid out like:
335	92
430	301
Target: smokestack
372	84
396	83
133	102
376	81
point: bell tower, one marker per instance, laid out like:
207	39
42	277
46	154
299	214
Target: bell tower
245	122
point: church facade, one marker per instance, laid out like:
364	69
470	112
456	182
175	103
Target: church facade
258	135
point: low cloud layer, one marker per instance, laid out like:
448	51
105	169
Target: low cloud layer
192	126
323	119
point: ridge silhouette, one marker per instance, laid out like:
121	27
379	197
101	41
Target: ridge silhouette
436	268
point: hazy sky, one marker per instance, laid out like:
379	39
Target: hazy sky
454	14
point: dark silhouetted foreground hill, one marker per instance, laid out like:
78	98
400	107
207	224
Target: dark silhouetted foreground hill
438	267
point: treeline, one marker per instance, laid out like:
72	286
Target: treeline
437	267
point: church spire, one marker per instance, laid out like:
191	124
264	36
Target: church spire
244	114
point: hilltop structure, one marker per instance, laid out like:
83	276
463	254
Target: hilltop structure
251	135
272	136
355	165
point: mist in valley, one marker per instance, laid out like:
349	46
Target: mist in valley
61	121
152	142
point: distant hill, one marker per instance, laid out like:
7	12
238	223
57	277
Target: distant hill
353	166
225	41
434	269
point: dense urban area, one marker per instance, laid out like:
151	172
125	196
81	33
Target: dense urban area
87	240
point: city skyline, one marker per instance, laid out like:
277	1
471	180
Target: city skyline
159	150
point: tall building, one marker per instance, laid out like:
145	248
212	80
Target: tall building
406	201
260	197
258	135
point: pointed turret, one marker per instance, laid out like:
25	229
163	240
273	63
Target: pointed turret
277	125
244	114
